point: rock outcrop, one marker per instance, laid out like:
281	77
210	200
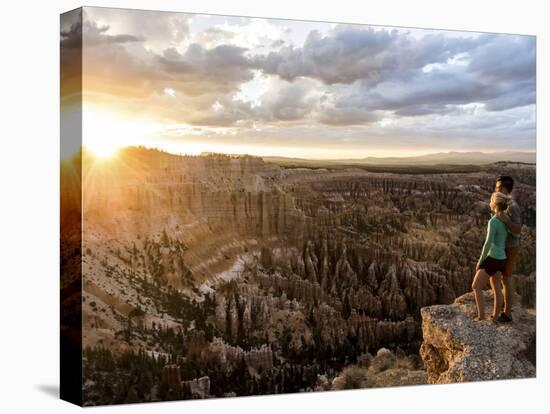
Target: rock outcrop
458	349
230	356
196	388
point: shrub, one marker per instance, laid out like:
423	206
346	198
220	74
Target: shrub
352	377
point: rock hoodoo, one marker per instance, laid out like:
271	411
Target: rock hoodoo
226	275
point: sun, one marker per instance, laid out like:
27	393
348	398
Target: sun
103	150
102	132
105	132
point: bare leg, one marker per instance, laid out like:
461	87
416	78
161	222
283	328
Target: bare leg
480	281
497	293
507	279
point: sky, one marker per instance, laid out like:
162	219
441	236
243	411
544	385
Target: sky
189	83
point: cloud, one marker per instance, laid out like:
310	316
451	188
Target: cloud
220	69
71	37
346	55
158	30
389	69
249	33
95	35
85	30
288	101
122	71
349	53
346	77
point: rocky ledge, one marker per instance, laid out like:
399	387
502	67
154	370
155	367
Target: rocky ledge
458	349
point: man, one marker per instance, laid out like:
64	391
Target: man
512	219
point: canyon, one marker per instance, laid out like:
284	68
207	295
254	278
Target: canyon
216	275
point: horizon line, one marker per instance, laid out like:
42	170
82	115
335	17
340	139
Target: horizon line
203	153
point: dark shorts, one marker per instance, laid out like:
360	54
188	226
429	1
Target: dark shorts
492	265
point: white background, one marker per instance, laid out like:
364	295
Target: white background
29	215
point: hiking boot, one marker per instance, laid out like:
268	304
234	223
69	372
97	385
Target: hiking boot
504	318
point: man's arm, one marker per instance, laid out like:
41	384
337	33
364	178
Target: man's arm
514	228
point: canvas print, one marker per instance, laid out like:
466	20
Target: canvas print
268	206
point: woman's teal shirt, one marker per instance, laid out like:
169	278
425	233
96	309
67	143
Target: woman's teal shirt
495	242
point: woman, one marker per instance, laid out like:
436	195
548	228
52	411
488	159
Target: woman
492	261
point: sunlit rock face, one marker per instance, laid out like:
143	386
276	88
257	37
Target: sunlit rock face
286	274
458	349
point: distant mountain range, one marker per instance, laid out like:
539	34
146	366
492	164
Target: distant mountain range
453	157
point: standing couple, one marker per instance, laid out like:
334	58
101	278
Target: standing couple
499	253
